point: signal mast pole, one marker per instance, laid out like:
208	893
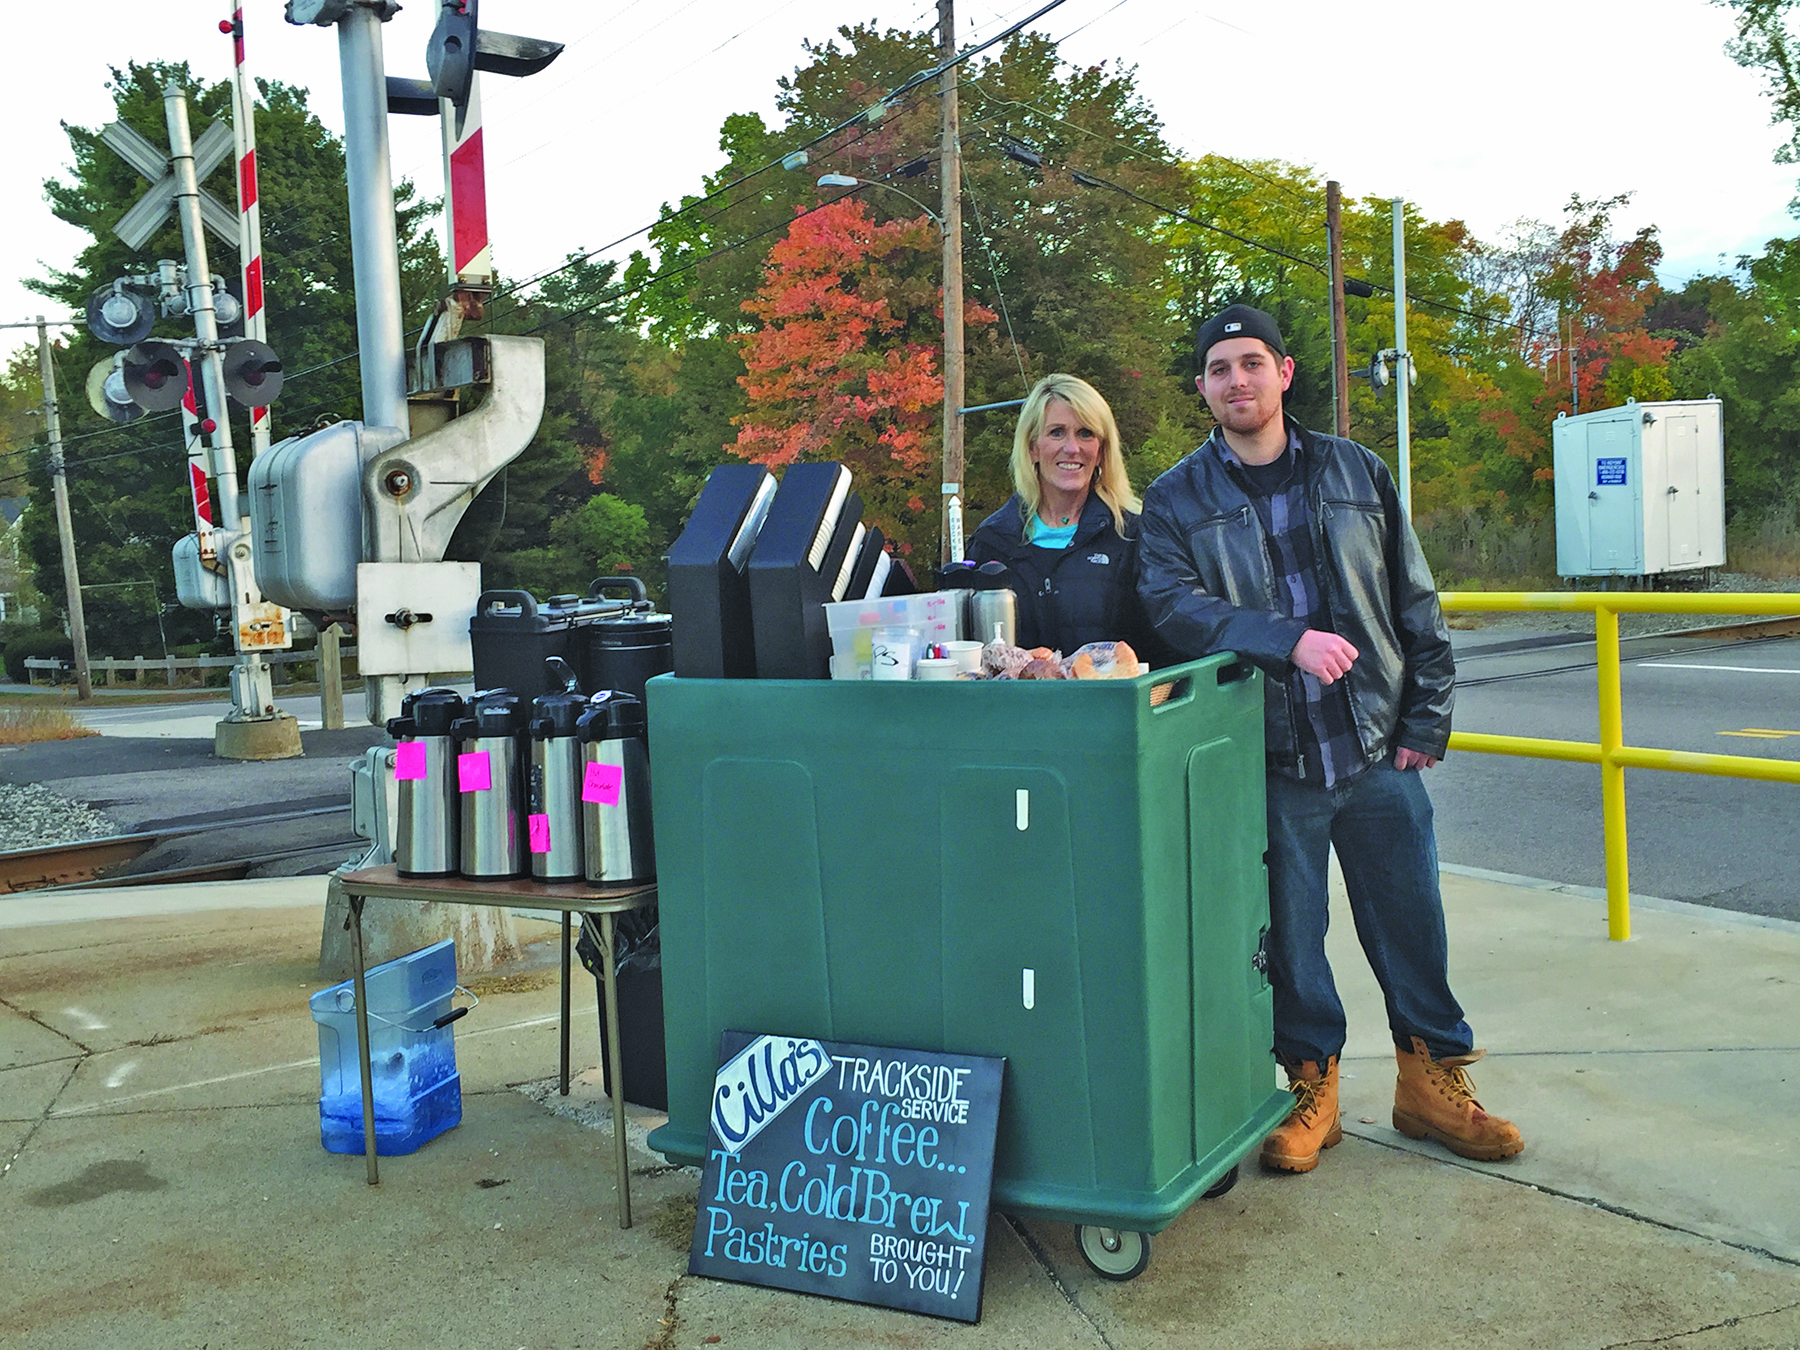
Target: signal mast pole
252	690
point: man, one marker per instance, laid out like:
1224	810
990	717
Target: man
1291	549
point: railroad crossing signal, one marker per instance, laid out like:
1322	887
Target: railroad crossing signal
143	220
460	46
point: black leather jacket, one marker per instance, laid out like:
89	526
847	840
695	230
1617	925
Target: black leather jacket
1205	577
1069	597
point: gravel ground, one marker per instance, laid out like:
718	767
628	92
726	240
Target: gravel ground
35	817
1632	625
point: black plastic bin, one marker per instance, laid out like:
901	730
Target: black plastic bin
639	972
513	635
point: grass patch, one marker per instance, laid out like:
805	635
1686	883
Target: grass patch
1471	552
673	1221
1769	545
31	722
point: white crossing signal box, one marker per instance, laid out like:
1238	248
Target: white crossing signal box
1640	490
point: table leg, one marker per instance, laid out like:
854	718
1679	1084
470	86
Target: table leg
563	1082
615	1060
362	1038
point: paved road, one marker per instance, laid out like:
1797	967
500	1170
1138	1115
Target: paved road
1724	842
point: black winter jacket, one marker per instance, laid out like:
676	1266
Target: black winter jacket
1205	577
1069	597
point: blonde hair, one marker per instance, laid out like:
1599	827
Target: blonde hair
1110	483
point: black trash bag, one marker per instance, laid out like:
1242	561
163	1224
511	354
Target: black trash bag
637	964
637	938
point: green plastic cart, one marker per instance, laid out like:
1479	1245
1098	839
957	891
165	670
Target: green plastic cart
1068	874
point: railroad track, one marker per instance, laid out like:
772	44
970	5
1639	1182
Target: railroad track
85	862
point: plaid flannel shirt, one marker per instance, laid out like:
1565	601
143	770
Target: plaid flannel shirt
1325	731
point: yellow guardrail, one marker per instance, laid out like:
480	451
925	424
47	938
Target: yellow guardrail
1611	753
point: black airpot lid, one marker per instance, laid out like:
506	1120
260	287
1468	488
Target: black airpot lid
429	712
494	712
554	715
611	715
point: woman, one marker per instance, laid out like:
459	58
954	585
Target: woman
1068	536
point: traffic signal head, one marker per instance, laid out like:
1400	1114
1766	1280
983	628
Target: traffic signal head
120	316
252	373
228	306
106	391
156	376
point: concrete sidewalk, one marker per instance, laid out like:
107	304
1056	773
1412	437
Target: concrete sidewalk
164	1184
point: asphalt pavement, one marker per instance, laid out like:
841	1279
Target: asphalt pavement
1723	842
152	769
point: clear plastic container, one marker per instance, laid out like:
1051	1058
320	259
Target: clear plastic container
417	1090
936	616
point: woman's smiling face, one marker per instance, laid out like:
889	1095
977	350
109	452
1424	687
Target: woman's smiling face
1065	451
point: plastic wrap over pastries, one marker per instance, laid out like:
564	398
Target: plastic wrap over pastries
1096	661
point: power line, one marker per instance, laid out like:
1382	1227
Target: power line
885	102
1089	24
1088	179
994	271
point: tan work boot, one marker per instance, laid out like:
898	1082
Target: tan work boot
1434	1097
1312	1126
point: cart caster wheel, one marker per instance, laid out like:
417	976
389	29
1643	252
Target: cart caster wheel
1114	1253
1222	1185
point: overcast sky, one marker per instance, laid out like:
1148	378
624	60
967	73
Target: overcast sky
1484	112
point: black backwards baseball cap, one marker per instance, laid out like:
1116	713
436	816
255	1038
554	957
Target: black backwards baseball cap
1234	322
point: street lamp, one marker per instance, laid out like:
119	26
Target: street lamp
844	180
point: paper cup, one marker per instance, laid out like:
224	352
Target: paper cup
934	668
893	651
967	655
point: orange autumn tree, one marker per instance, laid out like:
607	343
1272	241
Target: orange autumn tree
845	364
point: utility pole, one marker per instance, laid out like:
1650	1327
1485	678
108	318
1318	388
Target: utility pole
950	178
65	528
1340	353
1403	367
1574	371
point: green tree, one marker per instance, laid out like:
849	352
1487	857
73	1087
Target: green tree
547	521
1078	275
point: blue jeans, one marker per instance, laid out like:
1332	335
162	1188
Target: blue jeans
1380	824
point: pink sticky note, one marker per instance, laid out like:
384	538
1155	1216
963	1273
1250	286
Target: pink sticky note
601	784
409	759
473	772
540	833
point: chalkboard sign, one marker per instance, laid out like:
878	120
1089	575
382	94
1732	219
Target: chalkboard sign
858	1172
1609	473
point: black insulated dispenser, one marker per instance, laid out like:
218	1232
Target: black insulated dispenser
512	634
491	782
626	649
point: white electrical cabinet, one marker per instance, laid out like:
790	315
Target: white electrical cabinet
1640	490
